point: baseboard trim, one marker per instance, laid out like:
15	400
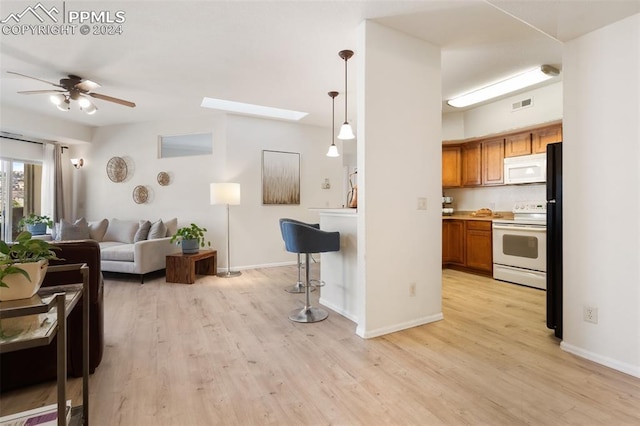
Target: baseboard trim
368	334
338	310
623	367
264	265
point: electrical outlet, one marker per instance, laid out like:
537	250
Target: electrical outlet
412	290
590	314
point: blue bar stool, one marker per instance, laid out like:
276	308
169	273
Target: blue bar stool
298	287
306	239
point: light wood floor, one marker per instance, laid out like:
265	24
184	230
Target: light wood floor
222	352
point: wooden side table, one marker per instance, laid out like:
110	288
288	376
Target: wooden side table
183	268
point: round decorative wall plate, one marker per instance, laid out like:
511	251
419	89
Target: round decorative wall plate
117	169
140	194
163	178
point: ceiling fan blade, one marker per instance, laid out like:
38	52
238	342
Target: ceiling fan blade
34	78
112	99
40	92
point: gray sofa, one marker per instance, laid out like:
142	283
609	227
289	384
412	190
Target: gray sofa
126	246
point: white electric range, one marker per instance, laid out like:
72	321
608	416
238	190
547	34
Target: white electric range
520	245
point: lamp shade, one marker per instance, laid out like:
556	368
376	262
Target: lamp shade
225	193
346	132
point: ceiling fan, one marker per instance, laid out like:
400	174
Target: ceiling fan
73	88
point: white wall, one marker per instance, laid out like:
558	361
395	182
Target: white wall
399	160
237	155
41	126
601	161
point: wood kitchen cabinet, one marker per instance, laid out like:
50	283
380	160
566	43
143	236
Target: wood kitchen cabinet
467	245
517	145
542	137
451	166
453	242
493	162
478	246
472	164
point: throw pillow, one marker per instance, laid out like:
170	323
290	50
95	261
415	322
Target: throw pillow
172	226
121	230
97	229
158	230
143	231
79	230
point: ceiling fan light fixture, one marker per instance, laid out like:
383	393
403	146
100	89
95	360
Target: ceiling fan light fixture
511	84
65	105
90	110
57	99
84	102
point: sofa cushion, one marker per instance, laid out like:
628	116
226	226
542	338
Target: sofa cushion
172	226
158	230
97	229
143	231
79	230
113	250
121	230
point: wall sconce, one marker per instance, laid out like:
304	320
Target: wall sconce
77	162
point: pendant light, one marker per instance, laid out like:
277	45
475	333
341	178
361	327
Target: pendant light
333	149
345	131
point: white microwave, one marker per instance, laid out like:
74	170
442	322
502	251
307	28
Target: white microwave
525	169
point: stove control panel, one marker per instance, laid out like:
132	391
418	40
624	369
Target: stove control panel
530	207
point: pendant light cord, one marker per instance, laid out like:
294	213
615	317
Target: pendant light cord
345	90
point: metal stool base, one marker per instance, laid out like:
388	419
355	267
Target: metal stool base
308	314
298	288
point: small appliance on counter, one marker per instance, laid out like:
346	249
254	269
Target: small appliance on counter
447	210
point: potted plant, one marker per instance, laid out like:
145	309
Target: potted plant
191	238
23	265
35	224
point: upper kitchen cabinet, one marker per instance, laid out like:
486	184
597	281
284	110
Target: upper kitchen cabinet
516	145
472	164
542	137
493	162
451	166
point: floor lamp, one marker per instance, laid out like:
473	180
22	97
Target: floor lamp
228	194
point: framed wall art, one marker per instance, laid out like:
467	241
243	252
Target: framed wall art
280	177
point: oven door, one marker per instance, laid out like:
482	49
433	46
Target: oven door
520	246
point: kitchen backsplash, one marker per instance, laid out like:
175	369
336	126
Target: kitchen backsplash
498	198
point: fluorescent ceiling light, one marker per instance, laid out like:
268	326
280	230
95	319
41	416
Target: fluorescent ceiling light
517	82
242	108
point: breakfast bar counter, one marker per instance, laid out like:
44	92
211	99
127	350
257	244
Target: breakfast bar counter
339	269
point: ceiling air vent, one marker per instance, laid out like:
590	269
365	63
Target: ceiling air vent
525	103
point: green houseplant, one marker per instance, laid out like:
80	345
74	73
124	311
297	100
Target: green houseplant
23	265
35	224
191	238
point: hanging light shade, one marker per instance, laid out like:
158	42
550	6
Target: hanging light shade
333	149
346	132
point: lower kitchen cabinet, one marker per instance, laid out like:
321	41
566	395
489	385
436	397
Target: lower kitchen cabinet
467	245
453	242
479	253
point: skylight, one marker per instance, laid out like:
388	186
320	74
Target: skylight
250	109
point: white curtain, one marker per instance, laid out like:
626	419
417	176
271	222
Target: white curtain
52	193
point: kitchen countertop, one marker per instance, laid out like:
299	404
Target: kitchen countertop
464	215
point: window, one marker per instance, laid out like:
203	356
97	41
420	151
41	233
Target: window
20	194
